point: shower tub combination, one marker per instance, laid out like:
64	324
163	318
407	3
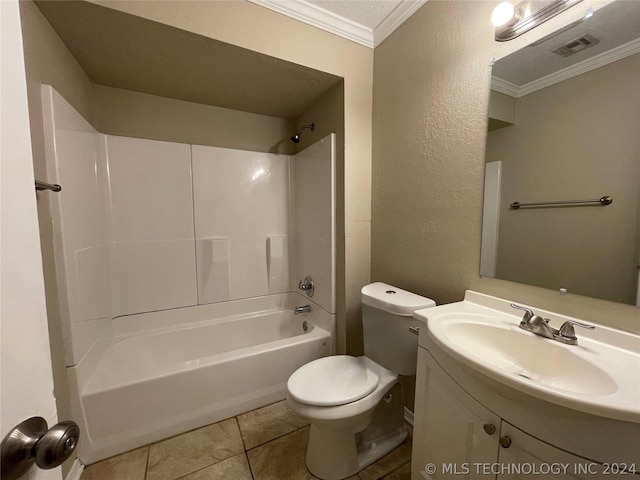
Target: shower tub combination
153	375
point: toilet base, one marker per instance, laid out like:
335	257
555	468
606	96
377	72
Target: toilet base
334	454
371	452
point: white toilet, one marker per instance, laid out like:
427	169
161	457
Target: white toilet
354	404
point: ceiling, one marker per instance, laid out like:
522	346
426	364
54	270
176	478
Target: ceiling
369	13
367	22
128	52
536	66
124	51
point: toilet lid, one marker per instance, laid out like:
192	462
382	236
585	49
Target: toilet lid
332	381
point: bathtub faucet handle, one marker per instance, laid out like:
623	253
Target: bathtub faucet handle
306	286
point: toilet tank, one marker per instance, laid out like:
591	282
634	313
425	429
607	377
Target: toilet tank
387	314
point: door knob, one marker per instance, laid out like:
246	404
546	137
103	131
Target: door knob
33	442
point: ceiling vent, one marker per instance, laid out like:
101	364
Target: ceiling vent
576	45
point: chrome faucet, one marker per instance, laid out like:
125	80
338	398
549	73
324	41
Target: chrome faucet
567	334
302	309
535	323
307	286
540	326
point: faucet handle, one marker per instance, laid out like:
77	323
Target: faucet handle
567	330
528	313
307	286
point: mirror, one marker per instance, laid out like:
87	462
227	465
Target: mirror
565	126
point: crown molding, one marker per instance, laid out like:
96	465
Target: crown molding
315	16
585	66
597	61
320	18
502	86
396	18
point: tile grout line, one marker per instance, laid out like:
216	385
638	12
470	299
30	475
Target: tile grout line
245	451
193	430
146	464
250	467
244	446
209	466
276	438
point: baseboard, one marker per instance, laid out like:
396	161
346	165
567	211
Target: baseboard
408	416
76	470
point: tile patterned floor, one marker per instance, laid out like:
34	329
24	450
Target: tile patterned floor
265	444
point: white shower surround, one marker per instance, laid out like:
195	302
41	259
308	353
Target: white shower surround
147	232
154	375
145	225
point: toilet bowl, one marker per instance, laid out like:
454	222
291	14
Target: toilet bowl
355	404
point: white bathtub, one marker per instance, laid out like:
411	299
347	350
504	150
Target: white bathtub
154	375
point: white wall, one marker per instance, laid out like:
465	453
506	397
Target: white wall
490	218
27	385
315	219
151	225
78	213
241	202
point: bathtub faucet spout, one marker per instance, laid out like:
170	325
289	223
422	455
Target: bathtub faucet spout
302	309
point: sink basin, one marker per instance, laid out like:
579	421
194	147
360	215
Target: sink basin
600	375
547	363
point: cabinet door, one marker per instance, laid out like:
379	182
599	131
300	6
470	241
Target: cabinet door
528	457
449	430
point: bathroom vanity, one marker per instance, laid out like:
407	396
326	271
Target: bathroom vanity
496	401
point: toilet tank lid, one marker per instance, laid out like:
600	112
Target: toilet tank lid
393	299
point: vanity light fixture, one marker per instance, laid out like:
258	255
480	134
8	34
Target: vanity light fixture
504	13
512	21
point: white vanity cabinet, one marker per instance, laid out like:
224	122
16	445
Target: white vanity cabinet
456	437
449	427
541	460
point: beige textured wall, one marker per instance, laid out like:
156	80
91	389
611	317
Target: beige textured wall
431	91
250	26
133	114
431	87
546	156
49	61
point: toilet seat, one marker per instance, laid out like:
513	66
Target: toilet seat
332	381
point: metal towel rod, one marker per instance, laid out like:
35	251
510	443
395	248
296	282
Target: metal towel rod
54	187
606	200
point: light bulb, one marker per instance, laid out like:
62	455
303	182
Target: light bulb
503	13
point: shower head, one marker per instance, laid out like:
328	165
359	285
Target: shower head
296	137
